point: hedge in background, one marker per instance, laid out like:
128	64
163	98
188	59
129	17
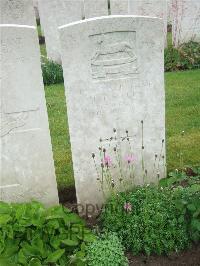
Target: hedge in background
187	56
52	72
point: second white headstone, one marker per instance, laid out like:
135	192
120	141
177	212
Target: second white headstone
19	12
54	13
27	168
95	8
151	8
186	21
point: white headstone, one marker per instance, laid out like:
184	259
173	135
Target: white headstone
115	79
35	5
186	21
95	8
151	8
17	12
27	168
119	7
169	11
54	13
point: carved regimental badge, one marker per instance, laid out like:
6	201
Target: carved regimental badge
115	56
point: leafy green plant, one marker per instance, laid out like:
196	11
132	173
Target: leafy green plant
188	202
187	56
33	235
186	177
106	250
52	72
188	199
147	220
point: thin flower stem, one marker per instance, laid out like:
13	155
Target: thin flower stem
143	166
96	168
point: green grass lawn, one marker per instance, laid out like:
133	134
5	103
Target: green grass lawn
39	30
43	50
169	39
182	114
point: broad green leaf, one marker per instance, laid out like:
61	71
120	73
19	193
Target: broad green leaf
6	262
191	207
21	258
4	219
5	208
196	224
34	262
163	182
197	213
31	250
89	237
11	249
55	256
70	242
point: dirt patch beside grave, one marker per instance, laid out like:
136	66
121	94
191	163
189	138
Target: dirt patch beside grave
190	257
67	195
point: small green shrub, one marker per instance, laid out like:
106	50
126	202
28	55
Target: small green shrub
187	197
33	235
187	56
188	202
147	220
106	250
52	72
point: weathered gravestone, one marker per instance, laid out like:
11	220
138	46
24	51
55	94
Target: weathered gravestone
54	13
186	21
152	8
95	8
17	12
27	168
169	11
35	5
114	80
119	7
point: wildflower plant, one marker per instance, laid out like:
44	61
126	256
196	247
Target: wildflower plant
117	159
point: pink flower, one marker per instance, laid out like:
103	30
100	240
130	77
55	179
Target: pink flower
127	206
107	160
130	158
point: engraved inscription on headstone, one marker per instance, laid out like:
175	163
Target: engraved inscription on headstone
114	58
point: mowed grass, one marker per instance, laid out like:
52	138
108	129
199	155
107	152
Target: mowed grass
56	107
182	114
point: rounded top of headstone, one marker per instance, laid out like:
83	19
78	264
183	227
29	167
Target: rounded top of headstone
117	17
